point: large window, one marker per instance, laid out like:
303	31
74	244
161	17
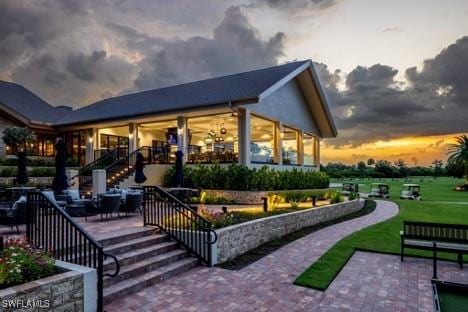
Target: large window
262	140
162	137
213	139
42	146
111	142
309	149
290	146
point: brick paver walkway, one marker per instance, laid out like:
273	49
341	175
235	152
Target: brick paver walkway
369	282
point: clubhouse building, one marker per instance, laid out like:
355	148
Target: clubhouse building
273	116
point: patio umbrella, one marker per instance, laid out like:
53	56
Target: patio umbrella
179	170
22	175
60	181
139	165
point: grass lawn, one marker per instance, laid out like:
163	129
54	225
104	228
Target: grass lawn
440	204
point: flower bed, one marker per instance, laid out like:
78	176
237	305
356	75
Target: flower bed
20	263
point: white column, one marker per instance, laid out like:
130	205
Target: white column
182	136
89	157
244	136
278	143
132	137
99	182
300	147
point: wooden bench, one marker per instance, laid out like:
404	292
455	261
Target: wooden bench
451	238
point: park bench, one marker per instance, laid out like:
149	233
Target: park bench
452	238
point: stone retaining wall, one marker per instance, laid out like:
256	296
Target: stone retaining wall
32	180
72	290
240	238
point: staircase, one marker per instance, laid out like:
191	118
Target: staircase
146	257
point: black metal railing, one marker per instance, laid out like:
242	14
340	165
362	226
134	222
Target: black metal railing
179	221
50	228
123	168
85	174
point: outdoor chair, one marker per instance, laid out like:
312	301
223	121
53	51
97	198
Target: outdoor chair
14	215
60	201
132	203
109	204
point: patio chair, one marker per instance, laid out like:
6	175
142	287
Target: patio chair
14	215
109	204
132	203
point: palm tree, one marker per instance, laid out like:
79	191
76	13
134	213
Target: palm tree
459	153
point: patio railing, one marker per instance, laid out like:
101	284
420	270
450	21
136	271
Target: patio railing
179	221
50	228
124	167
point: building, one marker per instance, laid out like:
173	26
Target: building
274	116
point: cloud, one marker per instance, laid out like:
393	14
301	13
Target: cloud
234	47
374	107
295	4
392	30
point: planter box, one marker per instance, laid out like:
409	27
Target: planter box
237	239
246	197
74	289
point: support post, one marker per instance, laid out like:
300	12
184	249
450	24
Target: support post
278	143
244	136
182	137
132	137
300	147
317	152
89	154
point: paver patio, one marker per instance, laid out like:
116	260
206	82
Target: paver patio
369	282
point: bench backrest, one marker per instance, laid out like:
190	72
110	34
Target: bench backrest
436	231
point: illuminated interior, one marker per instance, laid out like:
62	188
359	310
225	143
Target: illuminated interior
162	137
213	139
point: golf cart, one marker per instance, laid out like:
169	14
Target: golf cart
411	191
349	188
380	190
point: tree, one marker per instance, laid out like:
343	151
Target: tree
384	167
459	153
415	160
402	168
437	163
18	139
370	162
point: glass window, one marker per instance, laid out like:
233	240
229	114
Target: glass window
262	140
290	144
213	139
162	137
309	146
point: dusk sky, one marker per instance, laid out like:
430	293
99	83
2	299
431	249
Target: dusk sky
395	73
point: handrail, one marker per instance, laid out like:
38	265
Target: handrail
124	167
179	221
51	228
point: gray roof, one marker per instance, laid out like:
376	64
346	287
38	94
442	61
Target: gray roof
29	105
214	91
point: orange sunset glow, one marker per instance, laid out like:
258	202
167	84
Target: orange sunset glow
420	150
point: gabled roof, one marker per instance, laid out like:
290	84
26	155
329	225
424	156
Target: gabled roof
247	86
28	107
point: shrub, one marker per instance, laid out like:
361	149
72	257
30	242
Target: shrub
8	172
295	197
42	172
335	197
237	177
213	200
20	263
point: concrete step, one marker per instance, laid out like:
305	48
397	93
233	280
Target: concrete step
145	266
124	236
140	254
135	284
136	243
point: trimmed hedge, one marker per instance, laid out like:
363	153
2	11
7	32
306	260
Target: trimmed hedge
32	172
241	178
